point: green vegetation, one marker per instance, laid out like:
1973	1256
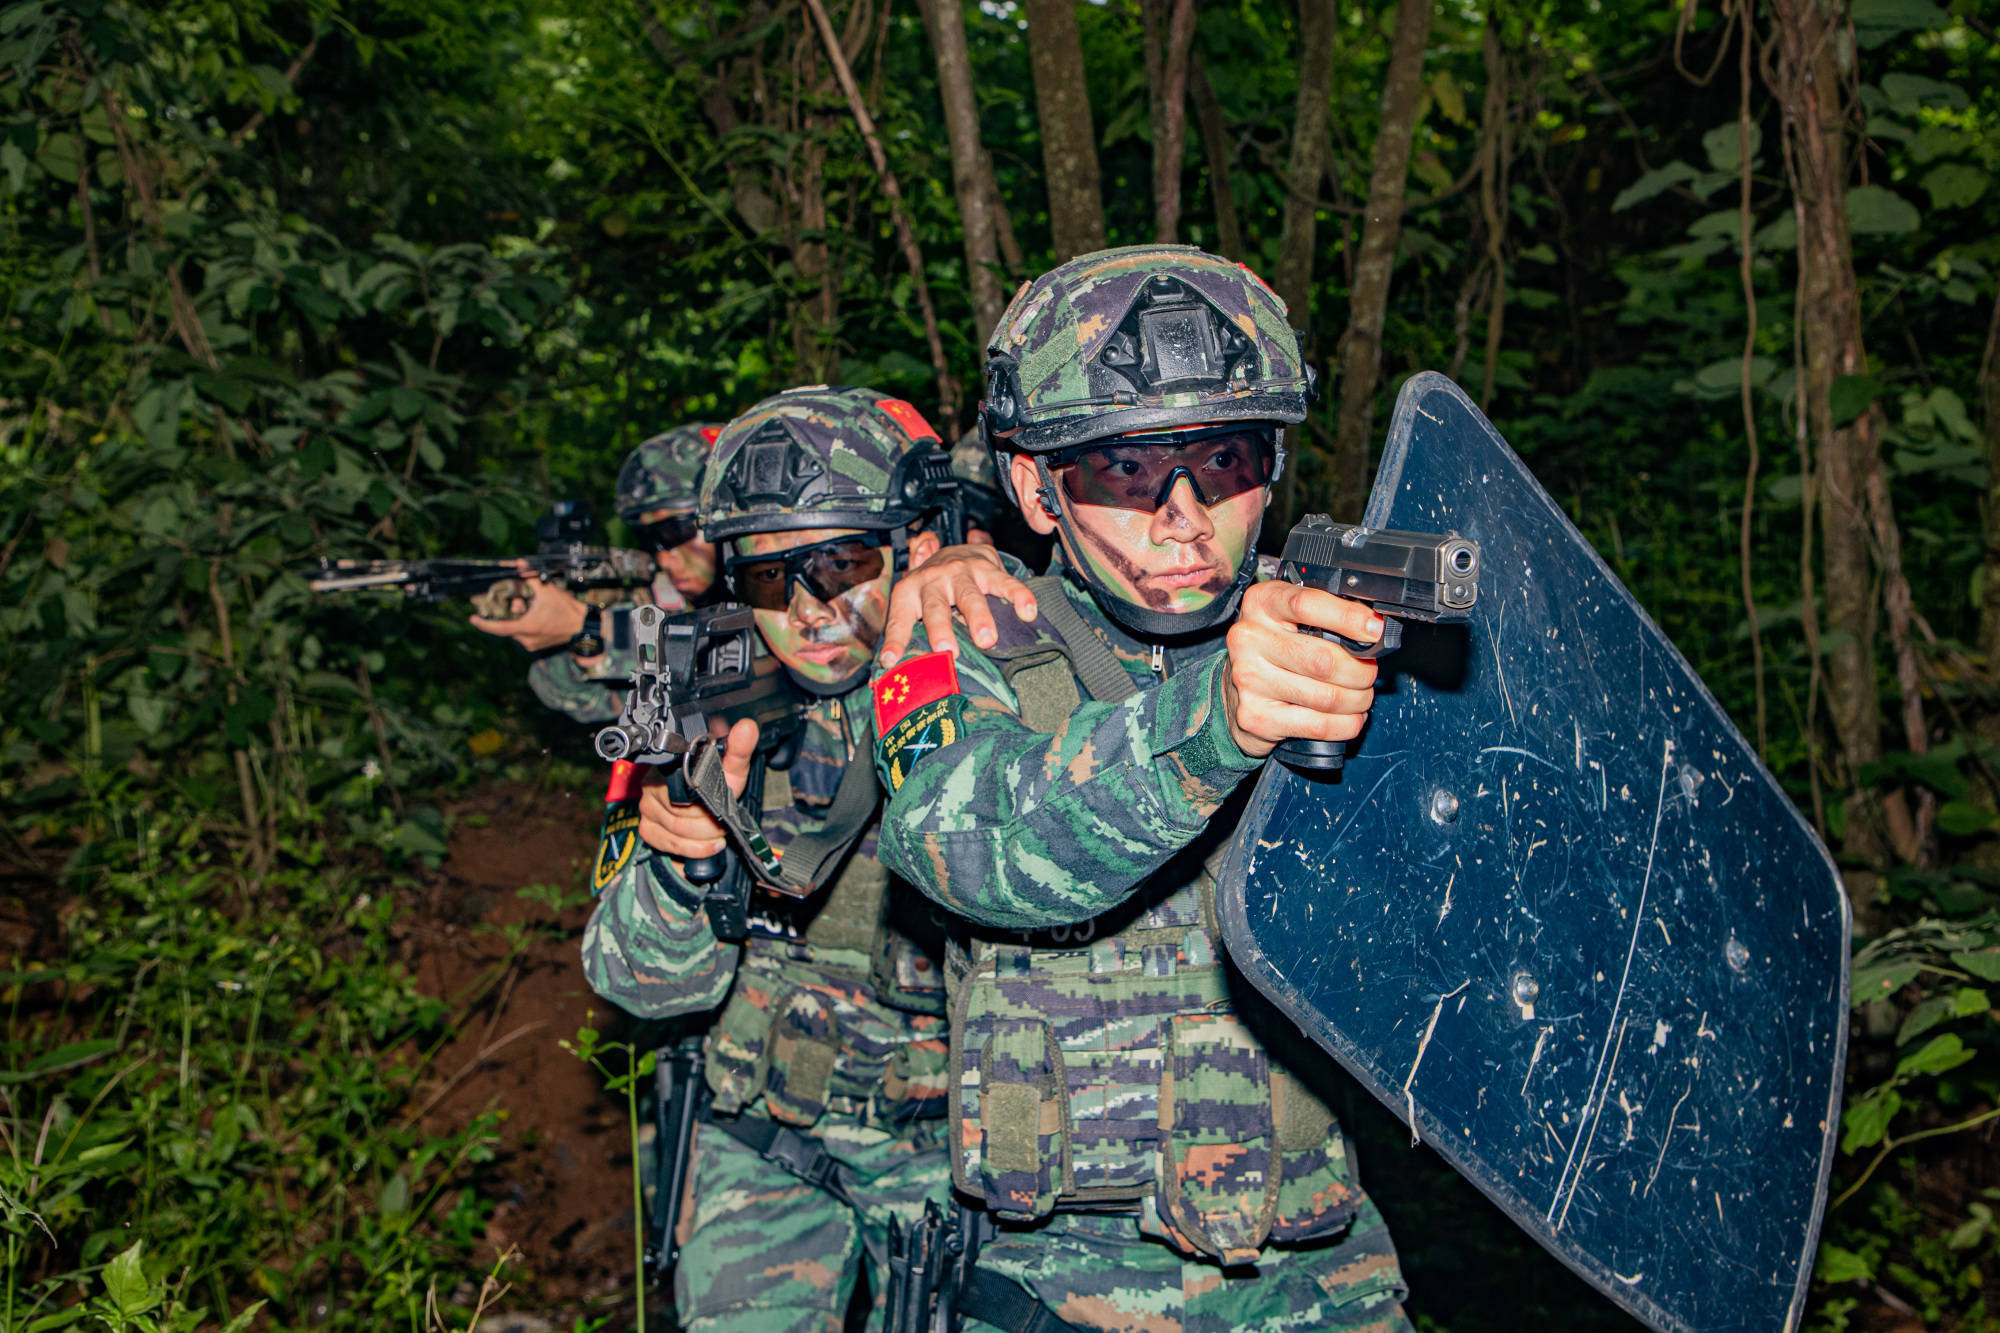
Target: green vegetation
284	279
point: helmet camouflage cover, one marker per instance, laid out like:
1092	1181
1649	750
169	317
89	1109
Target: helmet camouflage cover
663	475
1147	337
826	457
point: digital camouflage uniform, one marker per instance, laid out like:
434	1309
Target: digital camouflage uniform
1113	1081
833	1023
661	477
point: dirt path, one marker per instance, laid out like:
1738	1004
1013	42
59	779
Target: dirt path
561	1185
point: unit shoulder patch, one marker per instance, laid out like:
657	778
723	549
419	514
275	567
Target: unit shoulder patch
615	848
910	685
930	726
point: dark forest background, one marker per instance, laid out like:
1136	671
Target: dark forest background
387	276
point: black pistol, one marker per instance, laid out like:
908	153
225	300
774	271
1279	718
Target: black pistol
1427	576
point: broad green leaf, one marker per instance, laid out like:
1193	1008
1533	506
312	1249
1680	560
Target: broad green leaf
1656	181
1910	92
1942	1052
1851	396
241	1323
1874	210
58	157
1838	1265
1950	411
1878	981
1970	1000
1720	145
1954	185
1938	1009
1867	1121
1883	19
395	1197
1961	819
1982	963
125	1282
1450	98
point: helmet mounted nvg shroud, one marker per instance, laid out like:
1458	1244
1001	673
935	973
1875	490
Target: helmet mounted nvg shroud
1144	339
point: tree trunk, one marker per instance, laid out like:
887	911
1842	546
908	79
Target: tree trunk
1167	80
1311	146
1361	345
1989	583
1216	148
1853	509
945	21
1003	225
1496	155
1069	143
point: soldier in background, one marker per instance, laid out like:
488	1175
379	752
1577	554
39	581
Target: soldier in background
657	490
1119	1099
827	1062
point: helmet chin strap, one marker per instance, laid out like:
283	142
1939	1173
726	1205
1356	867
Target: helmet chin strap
1142	619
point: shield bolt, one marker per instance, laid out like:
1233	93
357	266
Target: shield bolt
1737	953
1444	806
1526	989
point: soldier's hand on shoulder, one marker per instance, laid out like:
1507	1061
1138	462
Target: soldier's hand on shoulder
551	617
957	578
689	832
1281	685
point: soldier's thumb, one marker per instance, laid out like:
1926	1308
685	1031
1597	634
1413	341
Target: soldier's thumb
736	755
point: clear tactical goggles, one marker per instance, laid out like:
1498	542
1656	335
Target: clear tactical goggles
1139	472
825	569
668	531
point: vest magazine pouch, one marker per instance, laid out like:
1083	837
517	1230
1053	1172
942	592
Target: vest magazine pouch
903	972
739	1045
1019	1110
1317	1195
1220	1170
918	1081
804	1042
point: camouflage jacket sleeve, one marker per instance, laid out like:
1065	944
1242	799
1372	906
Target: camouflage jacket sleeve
584	694
648	948
1014	828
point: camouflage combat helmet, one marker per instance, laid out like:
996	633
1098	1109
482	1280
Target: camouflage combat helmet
1147	338
663	475
827	457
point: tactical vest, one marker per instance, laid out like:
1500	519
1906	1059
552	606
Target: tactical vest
833	1008
1109	1064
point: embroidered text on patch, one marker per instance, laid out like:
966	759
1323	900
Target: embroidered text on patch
930	727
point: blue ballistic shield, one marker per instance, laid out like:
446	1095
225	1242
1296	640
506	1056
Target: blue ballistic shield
1559	918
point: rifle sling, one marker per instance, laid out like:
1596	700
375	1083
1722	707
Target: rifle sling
808	859
1000	1301
1094	663
782	1146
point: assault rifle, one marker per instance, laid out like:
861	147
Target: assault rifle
1421	576
696	673
561	556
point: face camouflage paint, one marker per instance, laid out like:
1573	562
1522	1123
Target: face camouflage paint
821	639
1175	559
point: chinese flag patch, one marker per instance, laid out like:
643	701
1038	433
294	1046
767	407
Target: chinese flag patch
911	420
711	434
905	688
